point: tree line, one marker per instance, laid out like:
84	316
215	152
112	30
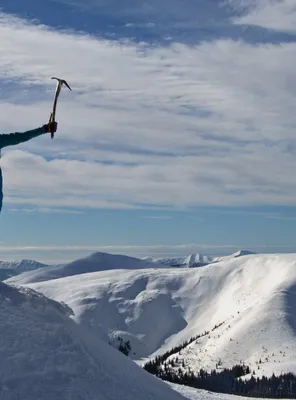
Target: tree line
229	381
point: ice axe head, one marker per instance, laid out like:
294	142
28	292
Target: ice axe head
60	83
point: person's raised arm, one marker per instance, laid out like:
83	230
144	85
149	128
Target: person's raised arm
11	139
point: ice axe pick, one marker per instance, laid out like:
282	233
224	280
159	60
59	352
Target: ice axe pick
57	93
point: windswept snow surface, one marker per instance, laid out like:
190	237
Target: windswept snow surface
252	297
46	356
93	263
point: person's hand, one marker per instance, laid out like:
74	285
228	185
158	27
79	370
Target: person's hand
51	127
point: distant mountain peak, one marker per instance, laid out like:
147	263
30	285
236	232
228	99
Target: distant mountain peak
94	262
195	259
23	264
241	253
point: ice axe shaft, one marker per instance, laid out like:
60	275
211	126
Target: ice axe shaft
57	93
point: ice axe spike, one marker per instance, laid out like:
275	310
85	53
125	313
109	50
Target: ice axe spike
57	93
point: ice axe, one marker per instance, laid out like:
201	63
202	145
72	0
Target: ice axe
57	93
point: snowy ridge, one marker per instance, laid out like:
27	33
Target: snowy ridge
12	268
93	263
187	261
195	259
102	261
157	309
240	253
21	265
45	355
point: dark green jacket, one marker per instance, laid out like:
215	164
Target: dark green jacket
11	139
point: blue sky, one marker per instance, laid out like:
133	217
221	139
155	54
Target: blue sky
178	136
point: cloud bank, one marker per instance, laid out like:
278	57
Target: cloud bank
148	126
278	15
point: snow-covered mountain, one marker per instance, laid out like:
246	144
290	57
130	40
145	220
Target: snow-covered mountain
21	265
102	261
45	355
93	263
195	259
246	304
12	268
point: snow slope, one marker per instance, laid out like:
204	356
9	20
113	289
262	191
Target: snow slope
197	394
252	297
93	263
45	356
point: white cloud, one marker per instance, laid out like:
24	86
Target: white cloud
177	126
140	25
165	249
43	210
279	15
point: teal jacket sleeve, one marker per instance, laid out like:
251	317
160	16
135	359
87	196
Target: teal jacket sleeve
11	139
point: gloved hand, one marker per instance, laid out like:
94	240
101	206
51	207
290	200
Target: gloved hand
51	127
